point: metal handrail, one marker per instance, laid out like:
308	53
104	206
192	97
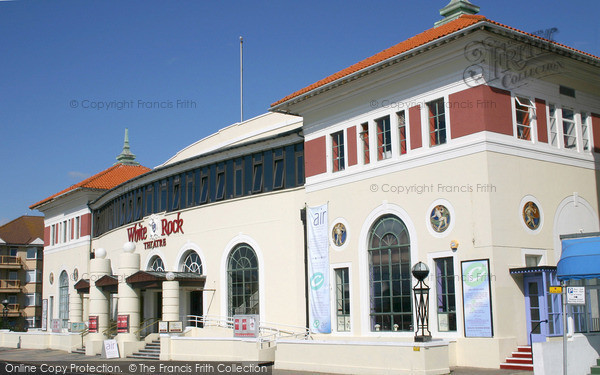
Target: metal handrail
83	333
144	324
267	331
111	328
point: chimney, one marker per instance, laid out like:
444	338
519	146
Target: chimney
455	9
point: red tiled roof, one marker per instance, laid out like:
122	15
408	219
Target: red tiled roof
23	230
418	40
107	179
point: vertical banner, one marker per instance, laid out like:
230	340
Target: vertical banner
318	268
44	315
477	298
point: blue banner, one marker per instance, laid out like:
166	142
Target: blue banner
318	268
477	298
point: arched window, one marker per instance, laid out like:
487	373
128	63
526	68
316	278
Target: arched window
156	264
63	299
390	275
192	263
242	281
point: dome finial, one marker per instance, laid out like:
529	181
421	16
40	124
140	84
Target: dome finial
126	157
455	9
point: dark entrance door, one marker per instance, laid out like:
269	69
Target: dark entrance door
196	305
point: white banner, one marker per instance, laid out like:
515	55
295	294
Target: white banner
477	299
318	270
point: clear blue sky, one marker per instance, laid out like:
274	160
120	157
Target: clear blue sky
56	52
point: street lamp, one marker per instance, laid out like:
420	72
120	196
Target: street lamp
4	312
421	291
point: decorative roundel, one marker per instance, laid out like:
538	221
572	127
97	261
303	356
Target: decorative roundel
51	278
338	234
75	274
440	218
531	215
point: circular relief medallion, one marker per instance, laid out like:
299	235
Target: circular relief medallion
338	234
531	215
439	218
75	274
51	278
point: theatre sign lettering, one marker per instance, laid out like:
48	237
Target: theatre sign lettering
152	232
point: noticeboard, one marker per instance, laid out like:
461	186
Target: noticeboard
245	325
163	327
477	298
176	327
576	295
123	323
93	324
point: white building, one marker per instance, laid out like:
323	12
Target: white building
470	147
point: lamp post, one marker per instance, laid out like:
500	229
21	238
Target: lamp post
4	312
421	291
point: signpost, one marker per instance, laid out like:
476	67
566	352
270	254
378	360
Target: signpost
163	327
176	327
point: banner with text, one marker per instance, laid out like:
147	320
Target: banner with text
318	268
477	298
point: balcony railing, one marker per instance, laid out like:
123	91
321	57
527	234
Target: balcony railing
10	284
12	261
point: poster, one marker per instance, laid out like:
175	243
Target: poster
93	324
123	323
44	315
318	268
477	298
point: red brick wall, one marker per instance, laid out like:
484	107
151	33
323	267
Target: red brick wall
315	156
352	156
414	115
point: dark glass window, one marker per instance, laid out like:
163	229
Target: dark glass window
402	131
299	164
176	193
190	184
384	138
446	300
220	181
337	150
437	122
238	177
163	196
278	169
149	200
205	183
257	176
242	281
390	275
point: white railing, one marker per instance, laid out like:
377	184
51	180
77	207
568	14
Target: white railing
269	333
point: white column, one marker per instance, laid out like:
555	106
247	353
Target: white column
99	301
170	305
75	307
129	299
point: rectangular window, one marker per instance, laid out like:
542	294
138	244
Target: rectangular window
238	177
342	299
299	155
13	251
12	275
149	200
163	194
554	305
176	195
278	169
437	122
446	300
77	227
205	183
64	231
31	299
52	235
402	131
524	111
12	299
364	136
585	132
553	126
569	128
190	186
257	174
30	276
32	253
384	138
337	151
220	181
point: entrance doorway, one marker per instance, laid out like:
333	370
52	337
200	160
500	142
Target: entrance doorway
535	306
196	307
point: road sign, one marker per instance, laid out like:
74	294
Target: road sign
576	295
556	289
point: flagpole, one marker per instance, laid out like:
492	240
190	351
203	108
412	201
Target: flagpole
241	80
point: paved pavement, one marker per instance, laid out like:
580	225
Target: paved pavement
17	356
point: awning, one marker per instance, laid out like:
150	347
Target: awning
108	283
82	286
154	279
580	258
